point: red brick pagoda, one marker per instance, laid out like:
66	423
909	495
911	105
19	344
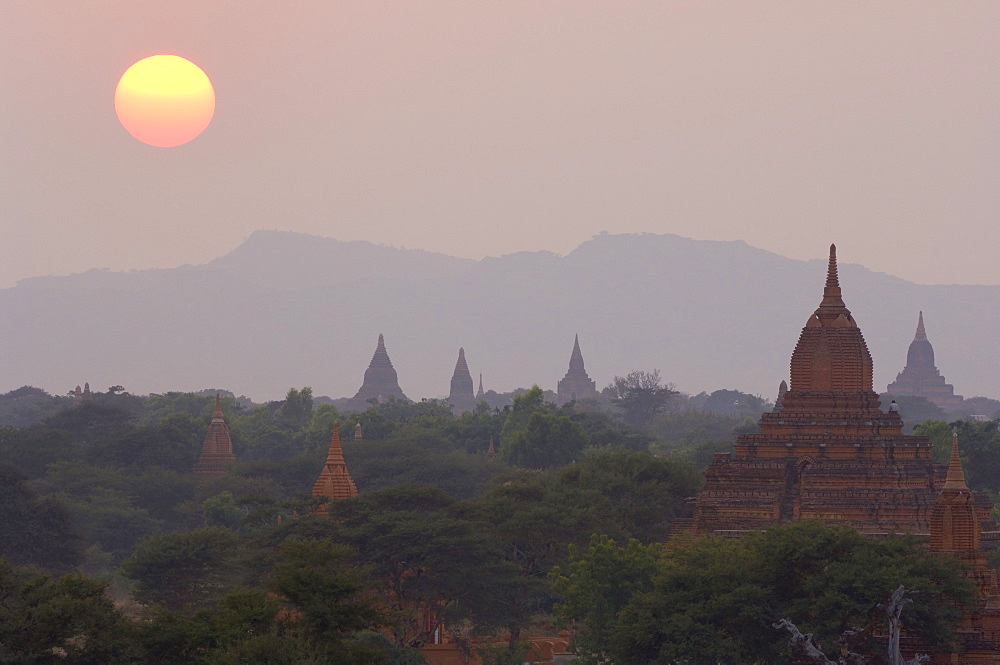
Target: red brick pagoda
920	378
334	480
461	396
576	384
828	451
380	382
217	450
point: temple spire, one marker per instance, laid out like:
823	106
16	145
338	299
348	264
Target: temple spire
576	384
334	480
921	333
217	449
491	454
461	396
479	395
955	480
831	291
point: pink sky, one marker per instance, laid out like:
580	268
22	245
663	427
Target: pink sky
485	128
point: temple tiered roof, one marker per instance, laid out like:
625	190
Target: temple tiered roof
576	384
461	396
334	480
920	378
217	450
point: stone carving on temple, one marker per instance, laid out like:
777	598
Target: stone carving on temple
461	397
380	382
829	453
576	384
334	480
217	449
920	377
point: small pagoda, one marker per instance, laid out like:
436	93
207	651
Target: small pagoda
380	382
956	523
461	396
217	450
334	480
920	378
576	384
827	451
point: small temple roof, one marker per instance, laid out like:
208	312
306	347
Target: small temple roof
334	480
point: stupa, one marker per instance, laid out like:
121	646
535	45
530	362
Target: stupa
217	449
920	378
380	381
334	480
827	452
576	384
956	522
461	396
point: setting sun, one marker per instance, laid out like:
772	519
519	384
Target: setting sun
164	100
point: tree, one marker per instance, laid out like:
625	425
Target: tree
714	600
35	531
68	619
640	396
597	585
546	440
180	569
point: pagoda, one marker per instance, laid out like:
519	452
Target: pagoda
461	396
827	451
217	450
956	522
380	381
576	384
920	378
334	480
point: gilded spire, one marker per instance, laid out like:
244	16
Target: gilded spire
955	480
921	333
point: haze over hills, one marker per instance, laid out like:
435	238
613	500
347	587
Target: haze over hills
287	309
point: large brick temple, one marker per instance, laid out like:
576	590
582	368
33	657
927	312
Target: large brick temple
920	377
461	396
380	382
576	384
828	451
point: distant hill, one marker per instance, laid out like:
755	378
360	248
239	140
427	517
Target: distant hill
287	309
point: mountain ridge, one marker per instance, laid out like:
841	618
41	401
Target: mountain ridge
287	309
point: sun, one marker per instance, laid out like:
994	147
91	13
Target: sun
164	100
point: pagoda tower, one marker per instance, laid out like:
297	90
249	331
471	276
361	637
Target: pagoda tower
827	452
461	396
334	480
480	393
380	381
956	521
576	384
920	378
217	450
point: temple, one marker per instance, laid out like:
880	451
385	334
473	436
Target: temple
461	396
480	393
956	520
217	450
334	480
576	384
827	451
82	396
920	378
380	381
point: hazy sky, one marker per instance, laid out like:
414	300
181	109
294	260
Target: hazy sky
482	128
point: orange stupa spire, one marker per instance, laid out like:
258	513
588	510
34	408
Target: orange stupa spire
334	480
217	450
